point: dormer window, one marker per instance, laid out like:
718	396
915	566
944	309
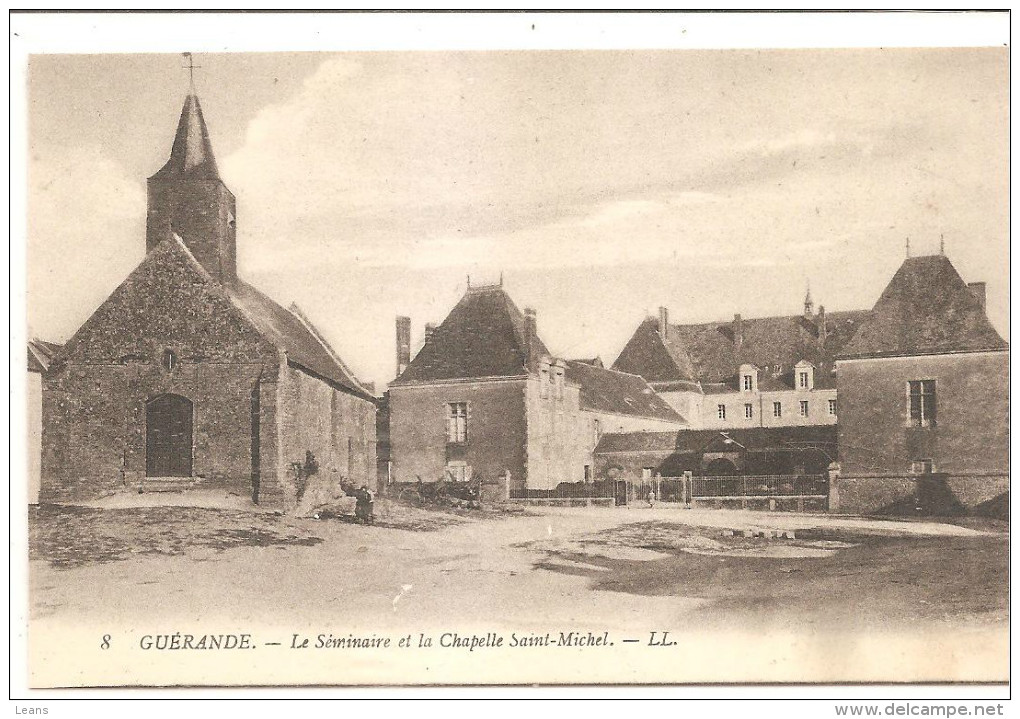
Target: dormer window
748	378
804	375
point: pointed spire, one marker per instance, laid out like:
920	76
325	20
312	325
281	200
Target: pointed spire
942	244
809	304
192	153
908	248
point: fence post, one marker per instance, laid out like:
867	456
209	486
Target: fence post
834	489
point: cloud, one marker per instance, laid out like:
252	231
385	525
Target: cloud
82	205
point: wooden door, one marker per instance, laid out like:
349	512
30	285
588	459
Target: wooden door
168	436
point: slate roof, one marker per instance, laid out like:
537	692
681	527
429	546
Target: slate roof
925	309
708	353
752	439
483	336
191	155
294	334
605	390
40	353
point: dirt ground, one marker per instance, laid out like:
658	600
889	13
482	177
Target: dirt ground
597	566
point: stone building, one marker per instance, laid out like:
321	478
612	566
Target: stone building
924	397
637	456
763	372
188	377
484	397
40	354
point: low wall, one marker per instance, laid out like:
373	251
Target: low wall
566	502
928	495
764	504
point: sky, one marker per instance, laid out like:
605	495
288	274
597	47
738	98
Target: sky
599	184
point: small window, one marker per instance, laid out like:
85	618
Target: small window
832	407
456	422
748	410
922	466
646	472
802	380
803	408
777	409
457	472
543	388
748	382
169	360
922	403
587	473
721	411
559	384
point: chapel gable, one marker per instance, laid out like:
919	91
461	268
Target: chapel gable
169	302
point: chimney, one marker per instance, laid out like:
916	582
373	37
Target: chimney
663	323
403	343
530	333
430	328
738	331
823	331
978	290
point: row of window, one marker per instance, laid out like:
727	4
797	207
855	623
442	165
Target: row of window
803	381
921	404
777	409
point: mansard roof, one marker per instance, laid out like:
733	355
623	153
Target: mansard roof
610	391
712	352
191	155
483	336
925	309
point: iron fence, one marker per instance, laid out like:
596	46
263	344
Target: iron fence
762	485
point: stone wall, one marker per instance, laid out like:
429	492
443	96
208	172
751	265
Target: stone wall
560	436
33	392
928	495
95	393
337	428
970	437
496	430
94	426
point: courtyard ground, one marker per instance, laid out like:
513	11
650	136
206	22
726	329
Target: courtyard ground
626	571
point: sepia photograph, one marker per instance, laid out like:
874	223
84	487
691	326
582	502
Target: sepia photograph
513	363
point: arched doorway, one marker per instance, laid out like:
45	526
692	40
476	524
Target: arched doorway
168	436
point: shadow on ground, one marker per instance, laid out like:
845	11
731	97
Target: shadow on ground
67	537
832	579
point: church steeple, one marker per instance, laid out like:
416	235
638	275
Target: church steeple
192	153
187	197
809	304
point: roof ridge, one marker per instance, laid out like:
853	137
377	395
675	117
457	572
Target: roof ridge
297	312
828	314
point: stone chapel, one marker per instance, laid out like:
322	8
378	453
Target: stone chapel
187	377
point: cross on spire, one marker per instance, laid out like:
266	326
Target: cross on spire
191	67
